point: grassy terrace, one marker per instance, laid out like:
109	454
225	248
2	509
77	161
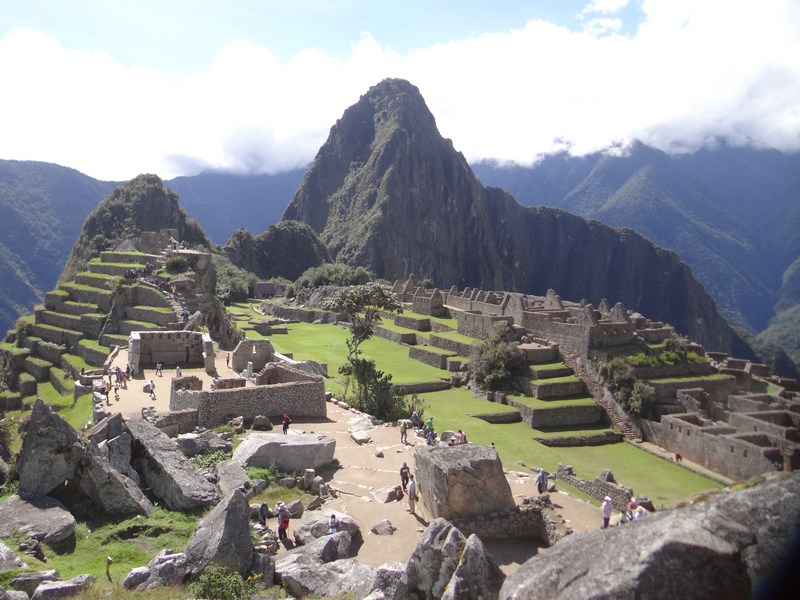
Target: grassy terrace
555	403
458	337
550	366
712	377
446	321
666	483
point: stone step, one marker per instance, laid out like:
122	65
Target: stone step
126	326
57	335
551	370
117	269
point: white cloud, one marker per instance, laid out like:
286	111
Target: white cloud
692	73
604	6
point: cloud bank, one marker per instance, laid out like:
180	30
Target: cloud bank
692	74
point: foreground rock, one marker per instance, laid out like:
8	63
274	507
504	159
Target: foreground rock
50	452
28	582
167	568
723	547
230	476
461	482
222	537
111	491
44	519
170	475
288	453
436	566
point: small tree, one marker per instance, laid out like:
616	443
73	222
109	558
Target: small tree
363	305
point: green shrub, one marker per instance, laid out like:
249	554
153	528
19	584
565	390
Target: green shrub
640	399
219	583
176	264
210	460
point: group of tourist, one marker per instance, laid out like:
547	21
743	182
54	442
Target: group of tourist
284	517
139	273
633	512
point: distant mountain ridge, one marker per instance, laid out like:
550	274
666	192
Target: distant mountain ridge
386	191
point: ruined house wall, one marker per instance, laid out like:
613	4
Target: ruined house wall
478	325
715	447
570	336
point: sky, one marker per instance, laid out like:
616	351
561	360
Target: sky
175	87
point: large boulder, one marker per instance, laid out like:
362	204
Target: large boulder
433	562
28	582
166	568
117	450
315	525
62	589
168	473
193	444
222	537
3	471
107	428
288	453
727	546
110	490
41	518
50	452
462	482
386	580
230	476
9	559
477	574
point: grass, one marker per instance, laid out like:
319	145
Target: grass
458	337
712	377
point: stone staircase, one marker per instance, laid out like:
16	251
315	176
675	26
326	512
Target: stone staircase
598	393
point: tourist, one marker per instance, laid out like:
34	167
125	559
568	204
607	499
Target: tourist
116	392
541	481
404	472
286	422
333	525
152	390
639	513
228	359
263	513
158	369
622	519
607	508
632	505
462	438
178	371
412	493
283	521
428	426
415	420
403	432
431	437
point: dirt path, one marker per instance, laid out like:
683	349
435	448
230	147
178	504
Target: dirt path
361	473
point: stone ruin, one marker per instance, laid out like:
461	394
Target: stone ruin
251	356
184	348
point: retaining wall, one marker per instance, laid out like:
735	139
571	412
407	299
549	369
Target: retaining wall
434	359
412	323
596	488
545	390
455	346
525	521
562	416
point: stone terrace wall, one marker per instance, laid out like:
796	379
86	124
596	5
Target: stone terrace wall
304	315
414	323
408	338
717	389
177	422
527	521
569	336
460	348
597	488
604	335
299	399
478	325
434	359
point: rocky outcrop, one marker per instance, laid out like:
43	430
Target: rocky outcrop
288	453
28	582
111	491
193	444
117	451
230	476
314	525
461	482
727	546
167	568
222	537
50	452
477	574
169	474
62	589
42	518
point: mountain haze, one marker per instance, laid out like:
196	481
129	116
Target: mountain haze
386	191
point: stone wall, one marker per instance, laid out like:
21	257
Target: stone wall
303	315
177	422
408	338
569	336
185	348
429	357
479	326
717	447
717	389
545	390
563	416
526	521
414	323
230	383
460	348
597	488
150	314
421	388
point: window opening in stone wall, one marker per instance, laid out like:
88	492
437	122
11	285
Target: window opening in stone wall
744	453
